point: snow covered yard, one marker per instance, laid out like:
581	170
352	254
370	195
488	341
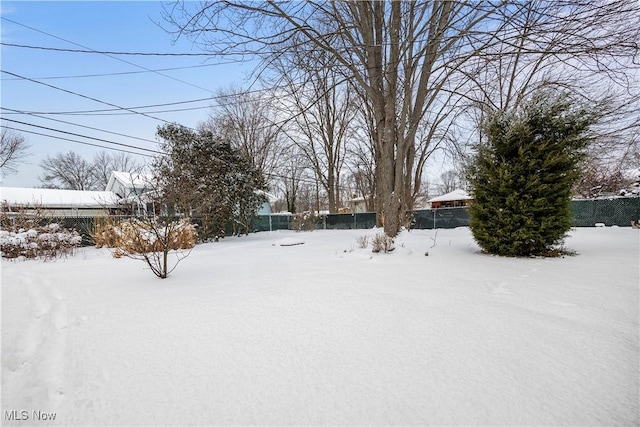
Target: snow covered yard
246	331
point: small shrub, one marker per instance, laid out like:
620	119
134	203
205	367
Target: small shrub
305	221
47	242
362	241
27	233
149	239
382	243
135	236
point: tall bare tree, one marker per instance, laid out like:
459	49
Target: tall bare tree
13	149
322	111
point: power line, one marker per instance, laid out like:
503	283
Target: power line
76	141
117	112
77	124
124	73
127	108
84	96
211	98
110	55
83	136
88	50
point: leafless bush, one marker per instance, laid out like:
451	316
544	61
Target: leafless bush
362	241
305	221
382	243
150	239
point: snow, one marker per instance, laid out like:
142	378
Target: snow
47	197
245	332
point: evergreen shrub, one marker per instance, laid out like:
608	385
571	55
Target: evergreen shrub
522	176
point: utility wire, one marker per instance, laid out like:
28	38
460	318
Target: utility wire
239	95
120	109
85	96
76	141
123	73
89	50
77	124
82	136
110	55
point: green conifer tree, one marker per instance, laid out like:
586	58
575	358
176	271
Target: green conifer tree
522	176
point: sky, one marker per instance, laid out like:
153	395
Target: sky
36	83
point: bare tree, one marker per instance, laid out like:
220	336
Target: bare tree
104	163
290	176
248	121
407	58
363	173
68	171
322	112
73	172
449	181
13	149
588	49
399	54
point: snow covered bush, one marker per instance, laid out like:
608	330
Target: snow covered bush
305	221
47	242
150	239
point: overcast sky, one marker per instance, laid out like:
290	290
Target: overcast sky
39	82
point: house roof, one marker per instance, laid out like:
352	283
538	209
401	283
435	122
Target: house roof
128	180
449	197
54	198
270	197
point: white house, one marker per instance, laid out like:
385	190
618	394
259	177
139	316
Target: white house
59	203
133	189
126	184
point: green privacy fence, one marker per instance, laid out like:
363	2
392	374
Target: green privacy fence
618	211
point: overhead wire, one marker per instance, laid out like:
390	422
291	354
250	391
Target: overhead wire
121	73
77	124
119	109
84	96
76	141
82	136
100	52
104	53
